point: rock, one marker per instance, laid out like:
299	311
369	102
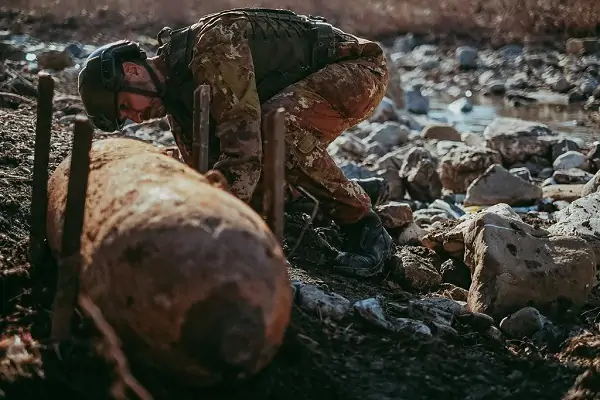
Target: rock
10	52
456	272
515	265
517	140
479	321
466	57
348	144
587	86
412	326
494	334
418	271
472	139
395	214
404	44
420	176
387	167
385	111
572	175
580	46
441	132
388	134
443	147
591	186
486	77
568	160
563	146
521	172
523	323
462	105
435	309
354	171
548	182
496	87
461	166
545	173
563	192
581	219
56	60
372	312
558	83
313	299
411	235
497	185
453	292
415	102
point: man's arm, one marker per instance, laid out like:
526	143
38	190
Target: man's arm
222	59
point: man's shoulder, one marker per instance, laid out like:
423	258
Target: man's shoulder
231	19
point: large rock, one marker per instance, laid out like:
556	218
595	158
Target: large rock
462	165
563	192
419	172
517	140
498	185
591	186
571	176
388	167
581	219
568	160
388	135
452	240
441	132
395	214
514	265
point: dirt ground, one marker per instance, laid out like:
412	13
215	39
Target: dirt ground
319	359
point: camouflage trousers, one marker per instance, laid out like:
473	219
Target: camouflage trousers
317	110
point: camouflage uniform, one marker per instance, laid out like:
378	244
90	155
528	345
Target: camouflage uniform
317	109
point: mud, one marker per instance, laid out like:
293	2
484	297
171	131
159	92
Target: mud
347	359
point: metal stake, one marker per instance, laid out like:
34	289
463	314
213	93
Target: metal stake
39	190
201	128
273	128
67	288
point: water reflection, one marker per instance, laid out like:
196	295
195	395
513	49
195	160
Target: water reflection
563	119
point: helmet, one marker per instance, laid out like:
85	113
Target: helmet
102	78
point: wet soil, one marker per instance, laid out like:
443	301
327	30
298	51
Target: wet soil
319	359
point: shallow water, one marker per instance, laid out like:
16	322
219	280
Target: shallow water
560	118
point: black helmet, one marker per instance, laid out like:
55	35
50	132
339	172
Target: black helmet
102	78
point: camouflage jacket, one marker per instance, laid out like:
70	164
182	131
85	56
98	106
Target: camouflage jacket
222	52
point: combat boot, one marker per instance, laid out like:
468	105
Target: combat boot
378	189
367	247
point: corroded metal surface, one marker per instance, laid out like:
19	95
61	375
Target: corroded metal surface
190	277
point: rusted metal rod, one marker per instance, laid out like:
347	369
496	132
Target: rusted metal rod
67	288
201	128
273	129
41	158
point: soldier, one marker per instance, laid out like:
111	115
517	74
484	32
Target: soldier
255	61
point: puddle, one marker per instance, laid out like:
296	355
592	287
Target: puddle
560	118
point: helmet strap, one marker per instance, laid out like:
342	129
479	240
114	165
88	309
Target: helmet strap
150	93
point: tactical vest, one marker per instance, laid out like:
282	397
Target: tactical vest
286	47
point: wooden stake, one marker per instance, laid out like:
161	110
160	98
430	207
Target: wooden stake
273	128
67	288
201	128
41	158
